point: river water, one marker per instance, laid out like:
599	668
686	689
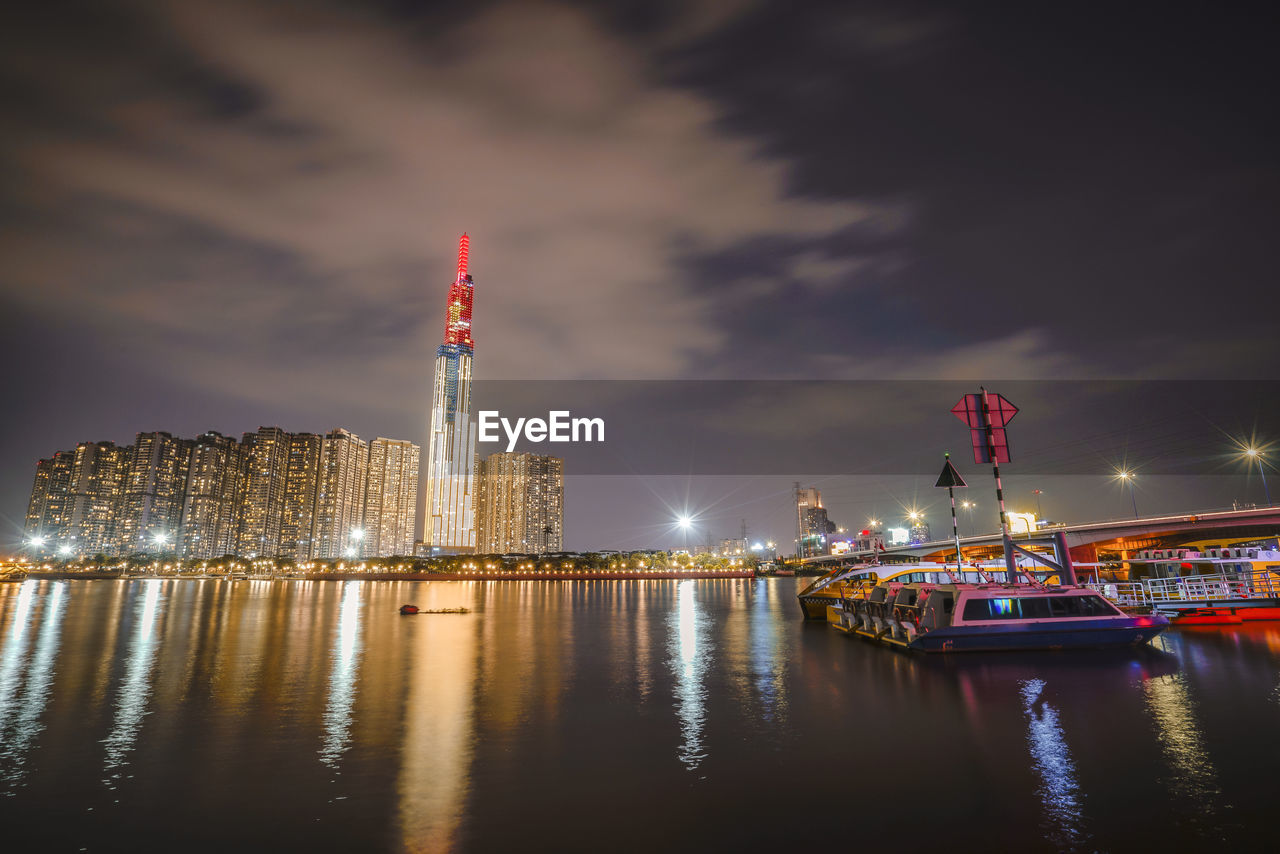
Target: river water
586	716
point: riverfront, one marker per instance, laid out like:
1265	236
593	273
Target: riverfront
641	715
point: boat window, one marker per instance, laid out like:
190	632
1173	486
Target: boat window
1064	606
1094	606
1034	609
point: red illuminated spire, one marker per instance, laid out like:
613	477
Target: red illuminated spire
464	250
457	325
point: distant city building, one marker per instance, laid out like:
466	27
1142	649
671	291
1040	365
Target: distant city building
919	532
97	484
812	524
210	509
735	547
262	506
448	502
49	510
520	504
151	497
391	498
302	478
339	513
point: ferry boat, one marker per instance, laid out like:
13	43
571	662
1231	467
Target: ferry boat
965	617
837	584
856	581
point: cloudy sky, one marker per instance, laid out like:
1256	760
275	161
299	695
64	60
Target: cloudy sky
225	214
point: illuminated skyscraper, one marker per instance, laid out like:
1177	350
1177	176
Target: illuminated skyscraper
214	485
155	481
390	498
49	511
97	481
339	515
301	478
448	508
262	497
520	504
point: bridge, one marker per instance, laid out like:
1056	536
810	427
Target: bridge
1090	541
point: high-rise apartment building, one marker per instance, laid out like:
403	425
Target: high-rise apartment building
448	502
210	516
390	498
339	514
97	483
301	479
520	504
262	502
150	507
49	510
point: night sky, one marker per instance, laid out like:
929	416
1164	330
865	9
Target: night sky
221	215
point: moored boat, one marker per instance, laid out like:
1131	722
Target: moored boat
963	617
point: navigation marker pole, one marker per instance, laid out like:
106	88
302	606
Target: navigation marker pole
987	415
987	429
950	478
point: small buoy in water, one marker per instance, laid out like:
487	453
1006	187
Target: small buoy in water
408	609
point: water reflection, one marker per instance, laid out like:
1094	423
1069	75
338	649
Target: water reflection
439	720
131	701
342	677
689	655
766	653
1193	776
1059	791
17	740
15	649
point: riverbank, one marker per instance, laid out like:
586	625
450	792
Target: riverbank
563	575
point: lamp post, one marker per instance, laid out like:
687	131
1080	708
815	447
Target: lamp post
1127	476
1256	455
968	506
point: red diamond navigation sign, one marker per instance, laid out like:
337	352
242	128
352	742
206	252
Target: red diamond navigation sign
1000	411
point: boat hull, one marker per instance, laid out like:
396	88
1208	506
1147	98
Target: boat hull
815	607
1084	634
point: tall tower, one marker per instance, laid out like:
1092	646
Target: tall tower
448	509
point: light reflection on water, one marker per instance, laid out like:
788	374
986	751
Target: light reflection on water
15	649
1192	776
17	739
1059	790
531	719
689	655
342	677
135	690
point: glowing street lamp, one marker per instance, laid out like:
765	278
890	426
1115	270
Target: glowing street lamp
37	541
1256	456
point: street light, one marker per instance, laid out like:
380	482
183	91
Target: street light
1256	455
1127	476
37	541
